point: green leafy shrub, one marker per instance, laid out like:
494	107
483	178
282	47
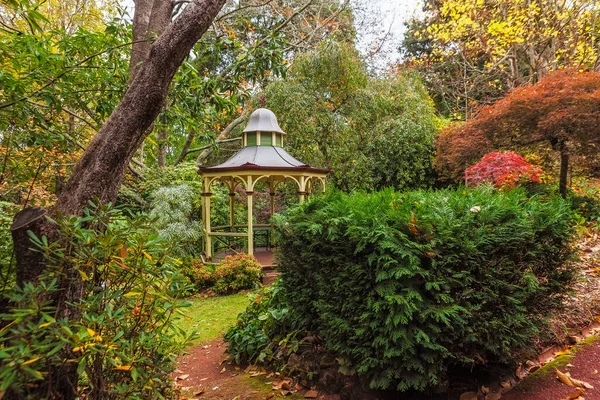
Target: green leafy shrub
121	334
400	286
7	271
237	272
265	321
201	275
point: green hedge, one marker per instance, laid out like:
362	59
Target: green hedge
400	286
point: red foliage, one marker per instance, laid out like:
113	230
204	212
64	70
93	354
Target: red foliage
562	111
503	170
563	107
457	147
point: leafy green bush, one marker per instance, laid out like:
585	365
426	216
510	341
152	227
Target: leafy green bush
7	271
265	321
199	274
237	272
121	334
400	286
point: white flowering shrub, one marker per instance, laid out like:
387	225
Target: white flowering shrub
172	208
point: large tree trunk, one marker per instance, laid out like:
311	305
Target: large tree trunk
150	19
99	172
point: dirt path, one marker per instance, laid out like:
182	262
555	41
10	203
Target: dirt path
204	373
585	366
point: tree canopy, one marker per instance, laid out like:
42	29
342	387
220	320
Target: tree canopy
372	132
472	52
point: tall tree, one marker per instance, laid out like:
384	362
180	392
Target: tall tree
99	172
250	44
372	132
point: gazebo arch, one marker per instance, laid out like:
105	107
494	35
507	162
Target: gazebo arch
261	158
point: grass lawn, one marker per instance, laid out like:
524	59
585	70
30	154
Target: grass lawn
211	316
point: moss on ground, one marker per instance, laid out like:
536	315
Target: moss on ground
559	362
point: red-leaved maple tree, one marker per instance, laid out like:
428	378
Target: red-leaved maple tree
561	111
503	169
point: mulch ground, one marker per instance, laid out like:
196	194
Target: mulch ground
206	373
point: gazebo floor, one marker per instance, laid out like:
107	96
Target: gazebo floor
263	255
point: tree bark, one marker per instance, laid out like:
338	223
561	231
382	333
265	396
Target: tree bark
161	155
99	172
186	147
564	169
150	19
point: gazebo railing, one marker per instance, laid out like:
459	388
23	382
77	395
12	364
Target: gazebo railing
226	239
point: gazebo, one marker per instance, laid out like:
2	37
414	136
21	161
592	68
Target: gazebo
262	158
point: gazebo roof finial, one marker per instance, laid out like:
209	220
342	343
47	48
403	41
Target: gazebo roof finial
263	120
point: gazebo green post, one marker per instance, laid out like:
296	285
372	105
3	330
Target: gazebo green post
272	186
249	196
206	216
232	187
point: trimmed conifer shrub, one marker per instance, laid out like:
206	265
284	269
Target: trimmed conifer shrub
400	286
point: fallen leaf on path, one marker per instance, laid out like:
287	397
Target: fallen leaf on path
215	388
277	384
563	352
505	384
285	392
581	384
311	394
270	396
199	393
182	377
564	378
223	370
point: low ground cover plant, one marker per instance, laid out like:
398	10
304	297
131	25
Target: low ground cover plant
402	286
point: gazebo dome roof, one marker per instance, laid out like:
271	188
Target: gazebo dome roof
263	120
262	157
